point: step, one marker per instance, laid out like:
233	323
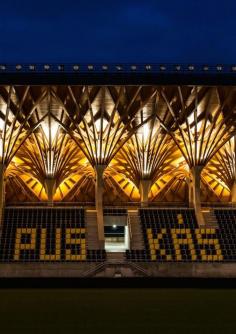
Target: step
137	241
116	257
91	228
210	218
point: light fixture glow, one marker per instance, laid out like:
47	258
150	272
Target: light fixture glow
50	162
50	131
1	147
146	131
2	123
101	124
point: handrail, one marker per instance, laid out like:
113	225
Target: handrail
139	268
84	68
94	269
169	205
218	204
129	227
105	205
46	204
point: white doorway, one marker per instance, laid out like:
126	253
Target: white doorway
116	234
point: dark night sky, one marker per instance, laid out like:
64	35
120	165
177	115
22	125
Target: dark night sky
124	31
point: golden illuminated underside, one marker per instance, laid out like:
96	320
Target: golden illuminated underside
53	137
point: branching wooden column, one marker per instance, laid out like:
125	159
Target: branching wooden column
189	181
196	198
144	188
50	187
233	192
2	190
233	188
99	188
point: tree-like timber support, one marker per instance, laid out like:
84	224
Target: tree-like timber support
144	188
196	198
99	188
2	191
233	193
50	187
190	191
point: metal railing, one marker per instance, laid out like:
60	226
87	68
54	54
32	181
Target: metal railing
218	205
92	204
54	204
171	205
117	68
130	229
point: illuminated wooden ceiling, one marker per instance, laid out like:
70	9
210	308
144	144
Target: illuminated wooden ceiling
139	132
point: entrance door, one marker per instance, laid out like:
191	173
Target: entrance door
116	234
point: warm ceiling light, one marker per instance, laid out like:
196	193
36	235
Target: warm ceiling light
50	163
146	131
2	123
1	146
101	123
50	131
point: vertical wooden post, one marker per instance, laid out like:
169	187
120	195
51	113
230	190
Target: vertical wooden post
190	191
144	188
233	193
2	191
50	187
99	188
233	188
196	181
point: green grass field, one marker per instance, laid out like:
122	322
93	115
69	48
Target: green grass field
117	310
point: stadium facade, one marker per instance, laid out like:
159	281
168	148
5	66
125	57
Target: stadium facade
117	170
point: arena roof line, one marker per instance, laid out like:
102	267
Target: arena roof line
117	73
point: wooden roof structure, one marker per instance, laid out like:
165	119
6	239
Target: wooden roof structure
154	132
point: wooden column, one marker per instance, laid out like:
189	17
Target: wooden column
2	191
233	193
99	188
144	188
196	181
50	187
189	181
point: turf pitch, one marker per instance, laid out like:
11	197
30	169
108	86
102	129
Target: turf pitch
117	310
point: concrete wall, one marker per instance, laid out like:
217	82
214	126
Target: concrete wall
201	270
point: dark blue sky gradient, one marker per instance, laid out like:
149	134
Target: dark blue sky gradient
118	31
